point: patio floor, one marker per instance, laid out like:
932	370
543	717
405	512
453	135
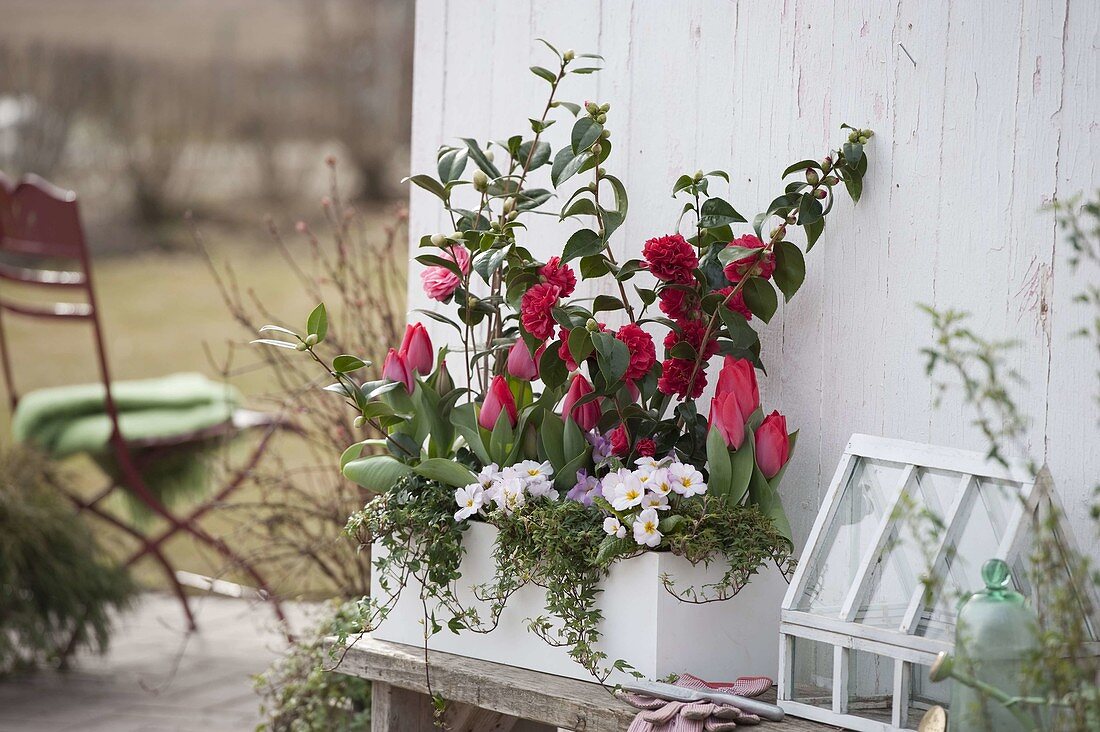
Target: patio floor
156	678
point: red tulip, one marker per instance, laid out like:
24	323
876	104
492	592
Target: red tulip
498	399
726	417
586	415
395	368
521	364
738	376
773	446
416	349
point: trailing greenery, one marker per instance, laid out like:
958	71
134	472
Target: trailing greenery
57	592
299	693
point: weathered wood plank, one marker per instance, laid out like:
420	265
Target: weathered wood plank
397	672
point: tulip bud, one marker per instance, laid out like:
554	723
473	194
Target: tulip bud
820	193
521	364
586	415
812	177
498	399
773	446
481	181
311	339
359	422
439	240
416	349
569	55
394	368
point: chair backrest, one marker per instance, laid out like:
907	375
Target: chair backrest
42	247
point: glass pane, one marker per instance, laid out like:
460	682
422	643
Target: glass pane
812	673
863	501
870	686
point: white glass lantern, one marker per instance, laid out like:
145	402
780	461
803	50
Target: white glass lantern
859	629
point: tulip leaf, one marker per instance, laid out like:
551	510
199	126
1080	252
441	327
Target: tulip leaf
767	499
718	464
742	462
501	439
551	432
566	478
377	472
573	441
446	471
464	419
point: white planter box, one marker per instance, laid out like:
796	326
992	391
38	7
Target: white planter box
643	623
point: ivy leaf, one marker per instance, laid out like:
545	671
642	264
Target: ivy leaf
790	268
760	297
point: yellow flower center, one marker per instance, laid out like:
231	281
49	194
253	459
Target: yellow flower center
631	493
650	527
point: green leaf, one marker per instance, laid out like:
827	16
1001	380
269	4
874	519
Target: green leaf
464	419
790	268
606	302
612	547
670	524
532	198
613	357
575	109
813	232
566	165
551	432
853	152
452	164
582	243
586	131
277	343
809	210
377	472
574	444
354	452
764	496
446	471
717	212
580	344
479	158
718	464
854	184
552	370
345	363
801	165
501	439
538	158
430	184
742	462
760	297
579	207
542	73
317	323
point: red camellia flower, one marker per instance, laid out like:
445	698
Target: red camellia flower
671	258
752	265
520	363
646	447
498	399
692	331
620	441
678	304
535	310
394	368
440	282
643	354
737	302
559	275
773	446
416	349
676	378
586	415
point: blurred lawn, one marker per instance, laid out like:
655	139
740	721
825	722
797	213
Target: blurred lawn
158	311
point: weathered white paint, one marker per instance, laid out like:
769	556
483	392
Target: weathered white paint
994	114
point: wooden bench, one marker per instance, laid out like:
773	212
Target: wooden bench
488	697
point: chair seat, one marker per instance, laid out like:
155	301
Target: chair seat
159	412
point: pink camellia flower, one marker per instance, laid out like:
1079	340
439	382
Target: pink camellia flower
586	415
535	310
394	368
751	265
440	282
521	364
498	399
773	446
416	349
560	275
726	417
738	376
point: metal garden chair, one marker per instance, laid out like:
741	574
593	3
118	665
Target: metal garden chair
42	247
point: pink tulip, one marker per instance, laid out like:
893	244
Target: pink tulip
497	400
394	368
586	415
726	417
738	376
521	364
773	446
416	349
440	282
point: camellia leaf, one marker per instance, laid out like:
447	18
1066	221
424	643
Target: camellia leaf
760	297
813	232
582	243
718	464
377	472
801	165
585	133
479	158
566	165
444	470
452	164
277	343
790	268
317	323
536	159
345	363
430	184
543	73
717	212
809	210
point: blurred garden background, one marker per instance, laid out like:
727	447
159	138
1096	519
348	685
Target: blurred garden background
180	121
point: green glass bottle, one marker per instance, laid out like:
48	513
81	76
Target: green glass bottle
995	635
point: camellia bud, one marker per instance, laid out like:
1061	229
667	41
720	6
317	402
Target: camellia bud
511	215
495	226
812	177
359	422
792	218
853	137
438	239
863	139
591	108
455	236
601	172
489	155
569	55
827	162
698	175
592	186
820	193
481	181
311	339
601	118
597	148
509	205
606	134
301	346
830	180
591	326
605	108
867	133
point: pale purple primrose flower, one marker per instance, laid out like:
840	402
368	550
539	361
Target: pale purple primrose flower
587	487
601	446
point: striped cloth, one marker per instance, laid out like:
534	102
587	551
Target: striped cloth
742	686
659	715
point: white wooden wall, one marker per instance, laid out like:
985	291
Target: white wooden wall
996	113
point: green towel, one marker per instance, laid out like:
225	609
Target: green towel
69	420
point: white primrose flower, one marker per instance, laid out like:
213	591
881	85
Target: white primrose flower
511	495
645	528
623	489
646	465
614	528
534	472
659	482
686	480
470	500
488	475
656	501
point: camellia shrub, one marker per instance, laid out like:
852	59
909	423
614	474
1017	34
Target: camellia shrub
555	419
57	591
